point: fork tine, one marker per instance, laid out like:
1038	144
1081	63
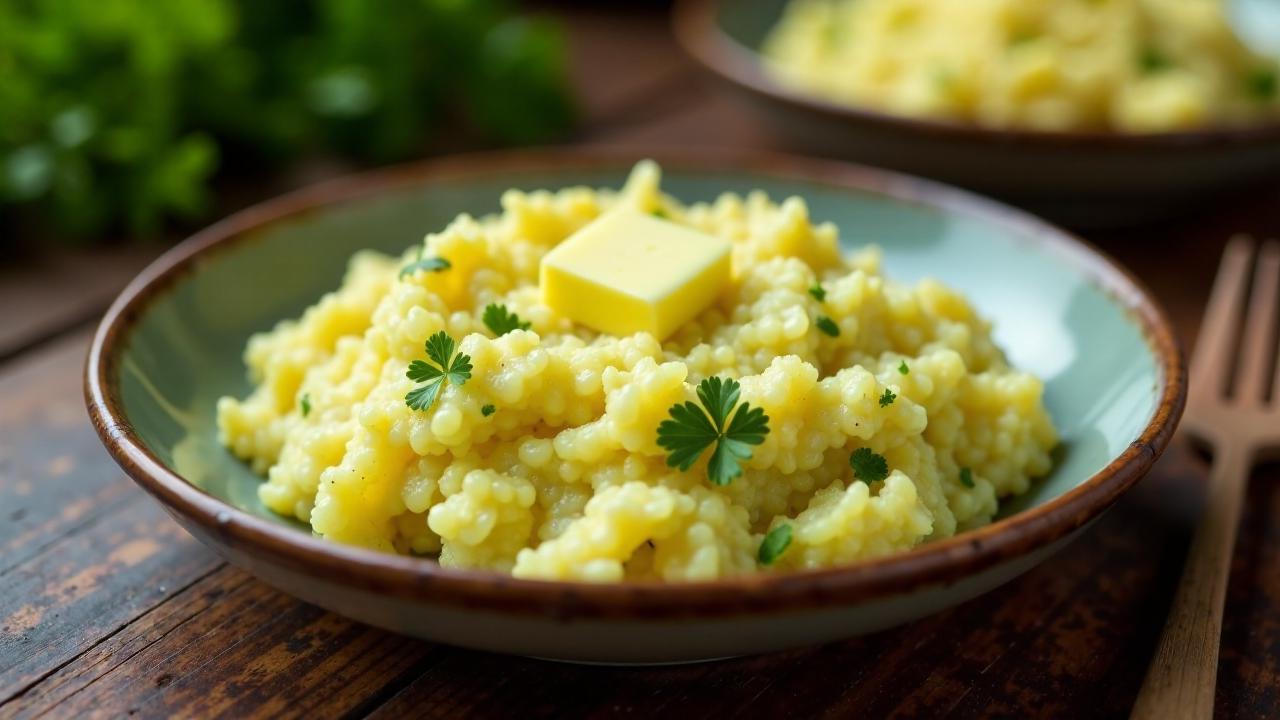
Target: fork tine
1256	343
1211	362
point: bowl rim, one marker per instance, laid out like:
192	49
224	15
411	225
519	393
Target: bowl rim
425	581
698	33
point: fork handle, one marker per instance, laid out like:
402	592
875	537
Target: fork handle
1180	681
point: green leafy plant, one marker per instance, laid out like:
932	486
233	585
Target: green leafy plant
448	368
118	113
692	429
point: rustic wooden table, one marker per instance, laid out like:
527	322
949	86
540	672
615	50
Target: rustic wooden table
108	608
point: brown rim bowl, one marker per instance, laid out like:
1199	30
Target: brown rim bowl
1085	179
937	563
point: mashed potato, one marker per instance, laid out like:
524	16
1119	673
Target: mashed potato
545	463
1056	65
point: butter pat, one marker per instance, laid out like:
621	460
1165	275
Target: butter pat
629	272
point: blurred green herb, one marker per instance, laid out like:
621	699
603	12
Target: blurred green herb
118	113
966	477
868	465
774	544
827	325
1153	60
1262	84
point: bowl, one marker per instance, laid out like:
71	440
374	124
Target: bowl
1087	179
171	345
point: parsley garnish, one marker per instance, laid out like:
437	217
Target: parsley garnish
690	430
903	369
1152	60
774	544
501	321
449	368
432	264
827	325
966	477
887	398
868	466
1262	84
306	404
659	213
488	410
818	292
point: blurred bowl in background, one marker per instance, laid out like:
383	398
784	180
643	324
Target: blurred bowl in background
1090	179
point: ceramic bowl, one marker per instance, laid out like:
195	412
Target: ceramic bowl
1082	178
171	345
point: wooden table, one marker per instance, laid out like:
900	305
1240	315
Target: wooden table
108	608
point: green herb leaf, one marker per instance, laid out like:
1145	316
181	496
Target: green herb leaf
817	291
1153	60
966	477
500	321
1262	84
903	369
431	264
868	466
692	429
659	213
827	325
448	368
887	398
488	410
774	544
306	404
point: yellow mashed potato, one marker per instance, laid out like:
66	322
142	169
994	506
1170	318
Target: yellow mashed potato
1055	65
564	478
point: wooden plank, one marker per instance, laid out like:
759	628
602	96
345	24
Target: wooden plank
64	600
54	474
43	295
228	645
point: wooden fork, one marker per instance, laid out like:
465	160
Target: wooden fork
1239	423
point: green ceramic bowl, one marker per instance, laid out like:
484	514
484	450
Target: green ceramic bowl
171	345
1084	178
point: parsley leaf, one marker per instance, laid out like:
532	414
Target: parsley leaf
448	368
903	369
966	477
306	404
1153	60
501	321
774	544
659	213
868	466
429	264
488	410
690	430
1262	84
887	398
817	291
827	325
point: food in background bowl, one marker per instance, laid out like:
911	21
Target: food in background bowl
752	400
1055	65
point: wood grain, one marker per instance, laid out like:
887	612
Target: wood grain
108	609
45	294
